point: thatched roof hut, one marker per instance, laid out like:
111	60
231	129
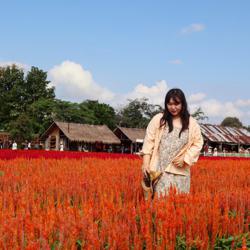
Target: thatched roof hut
131	138
84	132
73	136
132	134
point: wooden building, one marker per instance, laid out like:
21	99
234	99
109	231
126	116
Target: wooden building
225	138
131	139
5	140
81	137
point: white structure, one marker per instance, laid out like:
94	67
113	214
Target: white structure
14	146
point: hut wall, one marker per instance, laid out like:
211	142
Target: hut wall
53	140
4	140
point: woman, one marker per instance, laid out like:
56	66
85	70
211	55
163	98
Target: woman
172	144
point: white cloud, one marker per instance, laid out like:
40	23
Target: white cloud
176	61
195	27
217	110
196	97
155	93
214	109
74	83
243	103
211	107
23	66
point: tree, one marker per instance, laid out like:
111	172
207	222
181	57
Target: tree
41	113
11	78
137	113
22	128
67	111
248	128
89	112
102	112
232	122
199	115
37	86
24	100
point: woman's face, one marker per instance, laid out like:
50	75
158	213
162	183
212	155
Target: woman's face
174	107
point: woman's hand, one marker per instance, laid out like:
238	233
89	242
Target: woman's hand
178	161
146	163
145	168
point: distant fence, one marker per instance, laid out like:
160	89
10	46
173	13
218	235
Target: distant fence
241	155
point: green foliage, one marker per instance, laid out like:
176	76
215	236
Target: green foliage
137	113
232	122
22	128
90	112
41	112
79	244
232	214
67	111
226	242
28	106
232	242
37	86
102	113
11	94
199	115
23	101
247	128
55	245
180	242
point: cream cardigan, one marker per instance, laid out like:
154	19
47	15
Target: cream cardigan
190	151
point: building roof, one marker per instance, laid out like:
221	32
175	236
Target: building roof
216	133
133	134
85	132
4	133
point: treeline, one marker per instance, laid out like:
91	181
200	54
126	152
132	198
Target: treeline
28	106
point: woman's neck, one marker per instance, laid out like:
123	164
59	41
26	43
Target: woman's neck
177	117
177	122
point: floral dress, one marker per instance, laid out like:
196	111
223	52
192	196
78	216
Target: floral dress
170	146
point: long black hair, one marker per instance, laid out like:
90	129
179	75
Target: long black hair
178	96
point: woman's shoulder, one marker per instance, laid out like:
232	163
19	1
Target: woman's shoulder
157	117
155	120
193	122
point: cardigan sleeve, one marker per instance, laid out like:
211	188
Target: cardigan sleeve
193	152
149	140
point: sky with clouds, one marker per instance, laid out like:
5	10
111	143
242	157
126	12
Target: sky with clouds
118	50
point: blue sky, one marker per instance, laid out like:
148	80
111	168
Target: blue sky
114	50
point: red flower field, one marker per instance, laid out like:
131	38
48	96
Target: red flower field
62	200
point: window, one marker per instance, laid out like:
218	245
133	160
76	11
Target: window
52	142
